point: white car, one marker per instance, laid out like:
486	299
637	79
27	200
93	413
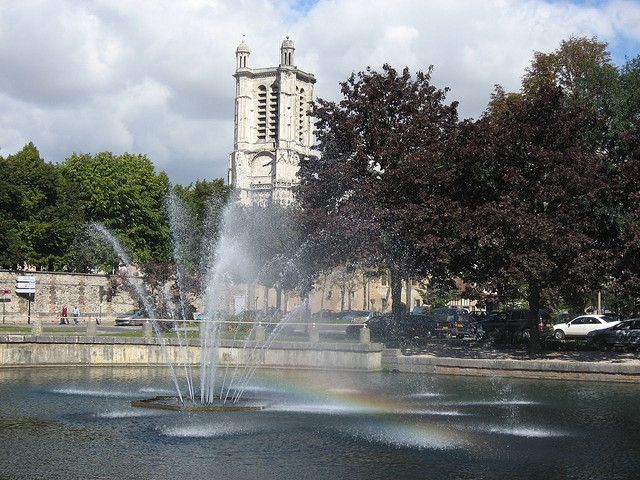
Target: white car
582	325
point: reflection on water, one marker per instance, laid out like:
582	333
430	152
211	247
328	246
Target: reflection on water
318	425
223	429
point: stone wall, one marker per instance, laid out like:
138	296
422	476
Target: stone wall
55	289
538	368
29	350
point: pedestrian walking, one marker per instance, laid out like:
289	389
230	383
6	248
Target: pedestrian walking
64	316
76	314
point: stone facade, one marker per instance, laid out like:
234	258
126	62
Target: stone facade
272	127
55	289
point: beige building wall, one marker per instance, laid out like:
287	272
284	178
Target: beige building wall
370	294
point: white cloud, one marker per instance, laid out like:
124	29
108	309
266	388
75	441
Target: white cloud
155	76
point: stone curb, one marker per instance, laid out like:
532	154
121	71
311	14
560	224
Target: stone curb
394	360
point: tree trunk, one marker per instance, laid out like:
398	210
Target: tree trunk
265	301
286	302
349	299
386	298
408	294
251	300
396	295
365	297
278	298
534	314
342	299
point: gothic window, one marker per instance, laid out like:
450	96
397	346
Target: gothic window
273	113
262	113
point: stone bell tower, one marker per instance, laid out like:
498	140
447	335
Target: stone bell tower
272	127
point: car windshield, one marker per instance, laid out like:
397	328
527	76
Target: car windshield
609	319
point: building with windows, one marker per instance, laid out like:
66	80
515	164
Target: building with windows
272	127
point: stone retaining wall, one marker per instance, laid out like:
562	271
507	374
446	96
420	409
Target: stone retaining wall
626	371
30	350
42	350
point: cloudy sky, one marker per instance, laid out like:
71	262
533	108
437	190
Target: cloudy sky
154	76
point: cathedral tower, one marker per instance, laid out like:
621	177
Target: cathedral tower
272	127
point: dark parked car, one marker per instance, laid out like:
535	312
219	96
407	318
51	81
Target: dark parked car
625	334
516	323
383	328
454	322
417	327
420	310
380	328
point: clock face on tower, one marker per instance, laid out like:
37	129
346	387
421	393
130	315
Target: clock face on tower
262	166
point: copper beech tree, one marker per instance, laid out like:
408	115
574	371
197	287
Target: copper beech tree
535	197
374	194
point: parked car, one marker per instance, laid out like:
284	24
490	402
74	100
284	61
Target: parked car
381	328
454	322
325	314
420	310
417	327
353	316
624	334
580	326
384	328
562	318
131	318
478	316
516	322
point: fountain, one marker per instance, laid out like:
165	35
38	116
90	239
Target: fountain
225	263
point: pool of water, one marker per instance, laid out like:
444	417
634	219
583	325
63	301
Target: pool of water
78	423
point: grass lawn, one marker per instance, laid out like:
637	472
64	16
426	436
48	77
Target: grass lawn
14	329
132	334
191	334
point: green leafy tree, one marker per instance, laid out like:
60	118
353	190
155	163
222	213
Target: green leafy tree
203	196
195	217
582	69
36	227
10	247
124	193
